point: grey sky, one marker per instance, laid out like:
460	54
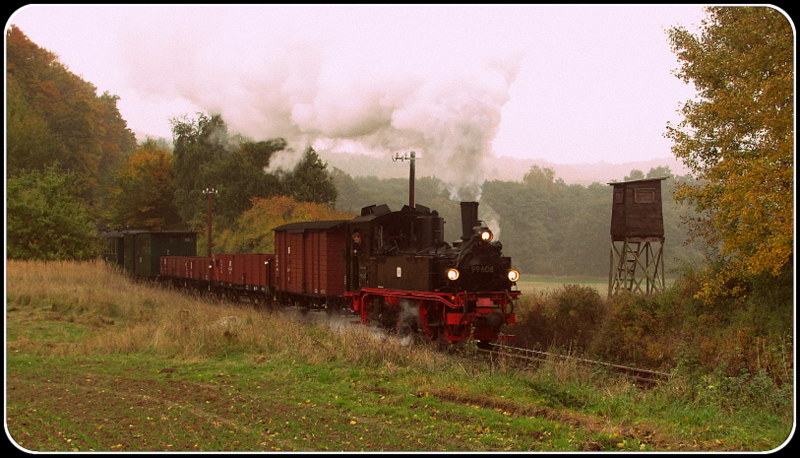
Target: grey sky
567	83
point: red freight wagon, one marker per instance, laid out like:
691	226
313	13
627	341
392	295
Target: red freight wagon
188	267
224	268
310	259
174	266
253	270
199	268
168	267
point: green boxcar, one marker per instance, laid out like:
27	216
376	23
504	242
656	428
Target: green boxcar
143	249
114	247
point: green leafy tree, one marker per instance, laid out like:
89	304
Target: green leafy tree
543	178
635	174
737	137
47	218
660	171
310	180
208	156
199	144
240	175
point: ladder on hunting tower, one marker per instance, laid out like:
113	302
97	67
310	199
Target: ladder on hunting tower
637	266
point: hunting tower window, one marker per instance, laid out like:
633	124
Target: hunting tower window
644	195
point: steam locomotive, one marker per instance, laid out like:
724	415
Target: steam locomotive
392	268
402	274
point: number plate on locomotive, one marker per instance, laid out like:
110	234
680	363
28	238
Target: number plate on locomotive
482	269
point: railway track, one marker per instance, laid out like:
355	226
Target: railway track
527	355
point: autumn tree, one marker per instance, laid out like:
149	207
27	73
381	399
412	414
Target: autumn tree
143	196
737	137
253	231
55	118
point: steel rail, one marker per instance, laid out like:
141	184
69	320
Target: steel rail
644	375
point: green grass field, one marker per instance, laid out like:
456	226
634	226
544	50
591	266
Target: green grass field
535	284
97	363
544	284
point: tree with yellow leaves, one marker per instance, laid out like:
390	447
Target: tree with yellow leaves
253	231
143	195
737	137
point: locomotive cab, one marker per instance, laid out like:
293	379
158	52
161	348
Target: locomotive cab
394	249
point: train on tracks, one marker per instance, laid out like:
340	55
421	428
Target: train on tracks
391	268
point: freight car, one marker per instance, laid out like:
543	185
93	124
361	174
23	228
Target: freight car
392	268
138	252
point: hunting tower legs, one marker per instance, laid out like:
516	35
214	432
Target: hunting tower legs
636	265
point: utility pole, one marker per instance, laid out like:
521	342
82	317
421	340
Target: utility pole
411	158
209	192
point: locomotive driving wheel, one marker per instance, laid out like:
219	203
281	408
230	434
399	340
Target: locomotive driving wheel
431	319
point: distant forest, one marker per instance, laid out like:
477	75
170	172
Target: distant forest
547	226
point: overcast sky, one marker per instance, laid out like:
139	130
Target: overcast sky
566	83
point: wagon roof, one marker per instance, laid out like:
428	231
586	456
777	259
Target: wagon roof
640	180
310	226
123	232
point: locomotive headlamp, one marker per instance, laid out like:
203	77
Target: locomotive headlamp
513	275
486	235
452	274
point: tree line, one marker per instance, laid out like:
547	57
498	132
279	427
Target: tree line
547	226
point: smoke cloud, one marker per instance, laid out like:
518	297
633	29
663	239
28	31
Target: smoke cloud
383	83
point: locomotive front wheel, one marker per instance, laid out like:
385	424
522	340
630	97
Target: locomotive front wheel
431	319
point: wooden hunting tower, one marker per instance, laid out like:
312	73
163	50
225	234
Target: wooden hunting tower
637	237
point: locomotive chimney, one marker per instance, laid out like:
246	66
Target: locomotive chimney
469	218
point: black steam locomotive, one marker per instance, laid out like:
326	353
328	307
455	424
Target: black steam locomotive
404	274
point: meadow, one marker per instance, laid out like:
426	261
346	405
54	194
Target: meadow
532	284
97	362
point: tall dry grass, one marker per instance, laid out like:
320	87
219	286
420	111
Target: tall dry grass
126	316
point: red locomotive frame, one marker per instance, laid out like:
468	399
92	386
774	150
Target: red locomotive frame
444	315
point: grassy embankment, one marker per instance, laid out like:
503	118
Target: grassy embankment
95	362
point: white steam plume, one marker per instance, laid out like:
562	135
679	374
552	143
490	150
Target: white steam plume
313	82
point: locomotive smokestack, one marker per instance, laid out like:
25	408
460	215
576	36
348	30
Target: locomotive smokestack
469	218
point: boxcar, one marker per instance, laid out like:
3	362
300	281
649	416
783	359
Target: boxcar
114	247
143	249
309	266
243	271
